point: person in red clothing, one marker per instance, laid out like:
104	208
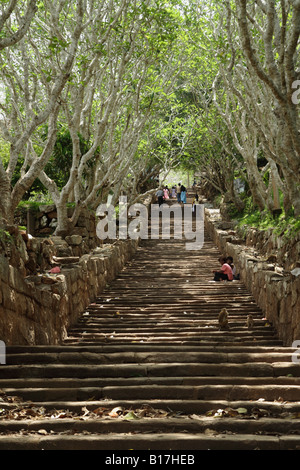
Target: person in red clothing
225	273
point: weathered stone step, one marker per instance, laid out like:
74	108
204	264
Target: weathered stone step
184	317
189	340
198	347
184	314
196	306
209	312
129	357
200	334
161	301
160	392
179	330
120	381
190	322
254	369
193	424
246	341
170	441
183	407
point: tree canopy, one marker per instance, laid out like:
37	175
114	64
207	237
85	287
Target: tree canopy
100	96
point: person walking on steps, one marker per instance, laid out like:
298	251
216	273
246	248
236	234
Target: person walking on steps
183	194
160	196
179	193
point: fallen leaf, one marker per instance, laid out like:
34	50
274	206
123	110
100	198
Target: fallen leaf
115	413
231	412
219	413
259	413
131	415
99	411
42	431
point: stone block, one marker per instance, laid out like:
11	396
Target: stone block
52	214
80	231
44	208
74	239
4	269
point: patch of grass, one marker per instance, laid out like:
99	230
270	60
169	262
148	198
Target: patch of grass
36	200
34	205
286	226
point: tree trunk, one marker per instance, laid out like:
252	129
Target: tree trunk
63	222
6	215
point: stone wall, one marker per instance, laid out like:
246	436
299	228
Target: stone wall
47	283
39	309
275	288
41	221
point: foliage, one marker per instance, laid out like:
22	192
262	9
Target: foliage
282	225
99	98
60	162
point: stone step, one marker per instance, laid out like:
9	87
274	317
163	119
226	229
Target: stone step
195	424
190	322
209	341
150	346
170	441
254	369
156	357
77	382
140	347
160	392
184	408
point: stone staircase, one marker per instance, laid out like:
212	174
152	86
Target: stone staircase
147	368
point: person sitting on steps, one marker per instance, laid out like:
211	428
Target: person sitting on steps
229	261
225	273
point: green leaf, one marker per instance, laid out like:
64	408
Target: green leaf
130	415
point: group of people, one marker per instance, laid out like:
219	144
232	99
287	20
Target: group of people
163	194
227	271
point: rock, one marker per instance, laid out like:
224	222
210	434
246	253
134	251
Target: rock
47	208
66	260
270	267
53	223
57	240
31	264
37	280
74	239
52	215
46	230
48	280
296	272
237	241
64	251
80	231
44	221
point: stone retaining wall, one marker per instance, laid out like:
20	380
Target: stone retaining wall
47	283
39	309
276	291
41	222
